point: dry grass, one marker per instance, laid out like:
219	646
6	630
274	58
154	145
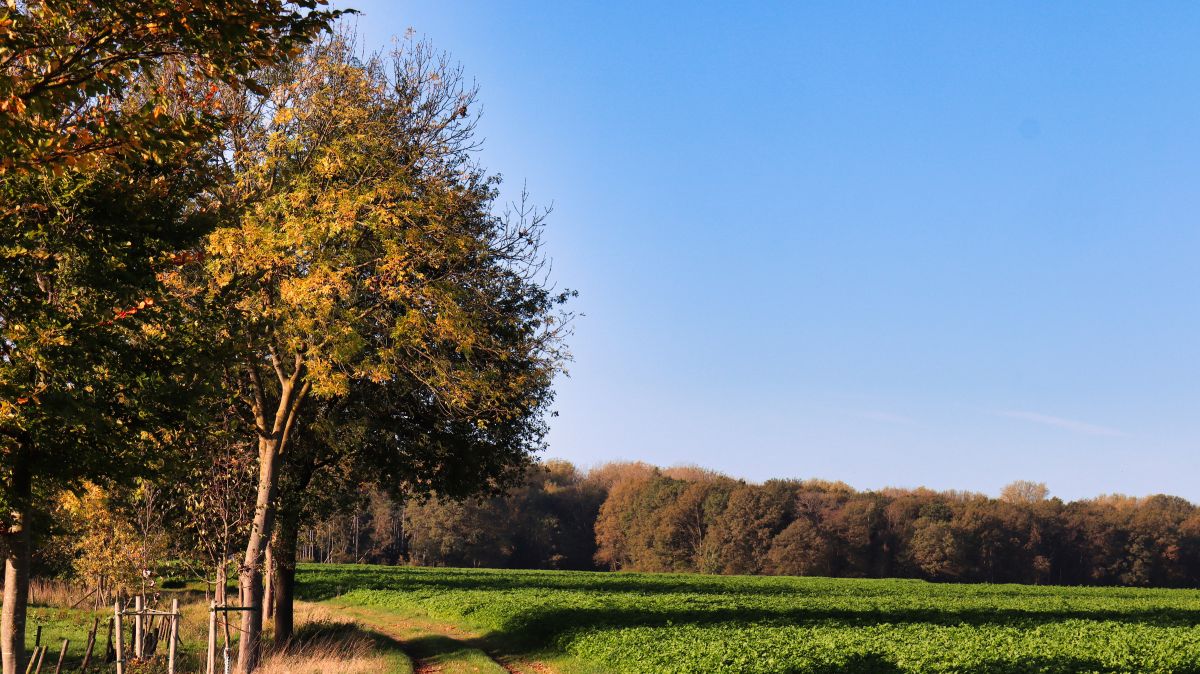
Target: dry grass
58	594
193	621
331	661
326	644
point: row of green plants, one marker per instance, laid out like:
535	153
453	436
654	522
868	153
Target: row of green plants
634	623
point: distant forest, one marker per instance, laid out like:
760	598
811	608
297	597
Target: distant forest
637	517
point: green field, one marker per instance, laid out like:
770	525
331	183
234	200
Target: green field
627	623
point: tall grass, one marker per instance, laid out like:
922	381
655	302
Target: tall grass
327	644
53	593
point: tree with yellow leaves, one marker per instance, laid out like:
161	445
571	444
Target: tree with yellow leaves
118	546
361	250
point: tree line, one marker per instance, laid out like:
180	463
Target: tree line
636	517
244	265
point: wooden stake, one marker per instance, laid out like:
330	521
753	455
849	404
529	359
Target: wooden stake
174	636
62	655
110	653
212	639
32	660
139	636
37	640
149	638
91	645
41	658
119	641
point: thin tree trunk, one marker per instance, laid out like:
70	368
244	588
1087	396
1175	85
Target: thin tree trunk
17	553
285	576
219	590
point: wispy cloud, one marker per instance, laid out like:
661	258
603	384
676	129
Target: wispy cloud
886	417
1059	422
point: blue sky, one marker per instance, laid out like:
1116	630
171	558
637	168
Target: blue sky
942	244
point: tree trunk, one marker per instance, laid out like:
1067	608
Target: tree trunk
272	442
250	577
17	552
285	576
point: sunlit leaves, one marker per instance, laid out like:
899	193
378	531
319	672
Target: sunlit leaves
131	76
367	248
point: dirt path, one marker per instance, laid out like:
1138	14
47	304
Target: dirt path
442	648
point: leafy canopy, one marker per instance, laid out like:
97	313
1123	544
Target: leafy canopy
81	78
365	250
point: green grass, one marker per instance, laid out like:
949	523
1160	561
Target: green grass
421	640
74	624
633	623
58	624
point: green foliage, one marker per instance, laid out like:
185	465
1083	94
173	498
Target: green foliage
642	623
88	358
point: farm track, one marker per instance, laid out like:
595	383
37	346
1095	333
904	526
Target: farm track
443	648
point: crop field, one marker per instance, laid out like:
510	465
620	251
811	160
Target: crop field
633	623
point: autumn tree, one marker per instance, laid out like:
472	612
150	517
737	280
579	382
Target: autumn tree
457	533
362	247
386	522
608	475
89	373
854	531
560	499
628	535
1024	491
684	539
119	542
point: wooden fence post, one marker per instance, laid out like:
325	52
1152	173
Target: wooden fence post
119	640
174	635
138	634
91	645
109	649
212	639
32	659
62	655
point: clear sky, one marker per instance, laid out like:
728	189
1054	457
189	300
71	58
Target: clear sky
944	244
